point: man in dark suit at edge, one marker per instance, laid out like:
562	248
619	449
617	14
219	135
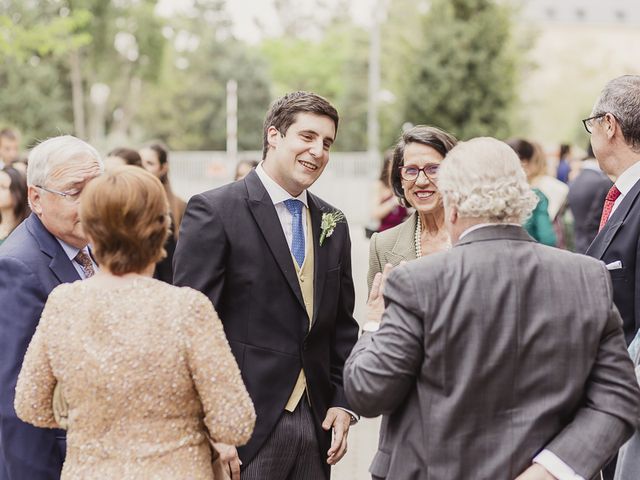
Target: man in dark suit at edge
614	125
47	249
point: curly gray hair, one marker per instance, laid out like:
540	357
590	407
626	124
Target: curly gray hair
483	178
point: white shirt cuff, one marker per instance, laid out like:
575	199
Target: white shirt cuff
354	416
555	466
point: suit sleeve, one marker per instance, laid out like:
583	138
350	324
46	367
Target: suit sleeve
346	328
36	382
28	452
384	365
199	259
611	408
228	411
375	265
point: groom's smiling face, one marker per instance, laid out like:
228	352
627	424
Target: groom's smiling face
297	157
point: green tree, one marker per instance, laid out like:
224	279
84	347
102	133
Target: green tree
334	66
187	107
464	77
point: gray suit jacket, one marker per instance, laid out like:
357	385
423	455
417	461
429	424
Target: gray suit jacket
488	354
392	246
628	466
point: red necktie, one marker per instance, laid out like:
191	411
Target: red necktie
611	198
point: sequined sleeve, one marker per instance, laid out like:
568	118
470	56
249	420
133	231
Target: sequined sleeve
229	412
36	383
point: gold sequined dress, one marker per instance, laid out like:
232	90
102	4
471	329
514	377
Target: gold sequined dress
146	371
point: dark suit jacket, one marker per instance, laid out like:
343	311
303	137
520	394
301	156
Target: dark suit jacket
586	198
232	248
485	357
32	263
619	240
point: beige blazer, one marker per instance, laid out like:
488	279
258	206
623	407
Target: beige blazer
392	246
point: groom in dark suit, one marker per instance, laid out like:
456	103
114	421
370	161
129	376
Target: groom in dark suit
275	260
47	249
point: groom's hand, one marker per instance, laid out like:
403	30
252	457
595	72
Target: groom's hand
339	420
229	458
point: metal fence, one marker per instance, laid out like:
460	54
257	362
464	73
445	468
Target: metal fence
348	181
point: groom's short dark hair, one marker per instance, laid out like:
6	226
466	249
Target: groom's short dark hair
283	111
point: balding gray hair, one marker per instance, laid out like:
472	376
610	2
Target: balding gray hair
621	98
55	151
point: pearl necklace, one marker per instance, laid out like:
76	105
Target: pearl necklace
417	242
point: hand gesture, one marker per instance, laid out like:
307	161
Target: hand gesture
339	420
375	304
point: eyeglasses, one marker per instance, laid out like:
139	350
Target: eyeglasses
410	173
72	196
588	122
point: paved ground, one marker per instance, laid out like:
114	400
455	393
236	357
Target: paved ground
363	438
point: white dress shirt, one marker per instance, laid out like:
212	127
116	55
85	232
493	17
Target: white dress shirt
625	183
278	196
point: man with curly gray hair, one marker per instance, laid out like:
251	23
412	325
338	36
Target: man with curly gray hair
485	363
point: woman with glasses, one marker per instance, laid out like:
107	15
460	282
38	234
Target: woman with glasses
414	180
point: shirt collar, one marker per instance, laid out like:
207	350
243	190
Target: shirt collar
628	178
70	251
483	225
275	191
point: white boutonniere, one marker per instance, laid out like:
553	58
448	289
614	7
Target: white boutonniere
328	224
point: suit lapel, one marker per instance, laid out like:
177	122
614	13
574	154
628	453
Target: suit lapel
266	217
321	260
60	264
405	249
606	235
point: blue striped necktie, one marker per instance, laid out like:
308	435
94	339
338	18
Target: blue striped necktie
297	241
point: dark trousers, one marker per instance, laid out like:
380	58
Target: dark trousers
291	451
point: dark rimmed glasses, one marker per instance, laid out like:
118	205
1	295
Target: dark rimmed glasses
410	173
71	196
588	122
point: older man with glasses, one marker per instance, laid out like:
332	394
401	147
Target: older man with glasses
614	125
47	249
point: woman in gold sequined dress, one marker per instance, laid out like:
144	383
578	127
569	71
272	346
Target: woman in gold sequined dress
144	366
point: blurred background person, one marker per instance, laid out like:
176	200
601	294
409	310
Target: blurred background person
564	163
14	205
387	211
122	156
9	146
155	159
243	167
534	164
148	411
587	193
21	165
413	176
